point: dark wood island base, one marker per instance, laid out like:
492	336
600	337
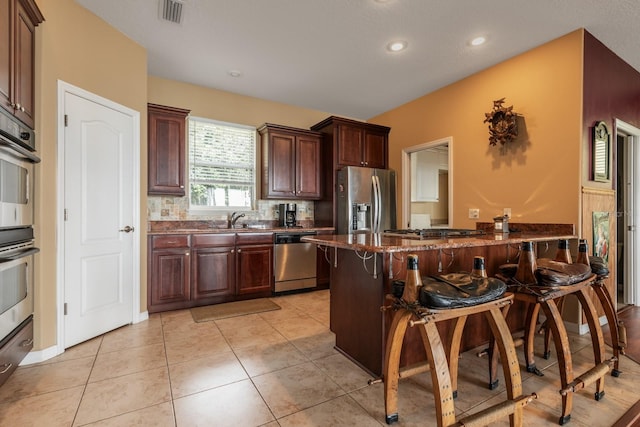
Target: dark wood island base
364	266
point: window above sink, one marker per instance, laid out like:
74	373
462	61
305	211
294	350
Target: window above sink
222	166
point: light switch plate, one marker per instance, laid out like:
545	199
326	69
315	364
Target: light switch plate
507	212
474	213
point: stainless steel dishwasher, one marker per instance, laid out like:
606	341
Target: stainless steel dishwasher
295	262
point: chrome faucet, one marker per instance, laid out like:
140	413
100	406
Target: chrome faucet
235	217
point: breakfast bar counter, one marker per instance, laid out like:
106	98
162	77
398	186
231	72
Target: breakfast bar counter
364	267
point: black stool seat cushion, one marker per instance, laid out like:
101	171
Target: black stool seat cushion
455	290
508	270
554	273
598	266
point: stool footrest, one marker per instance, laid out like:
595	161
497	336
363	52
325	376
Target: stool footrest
497	412
415	369
589	377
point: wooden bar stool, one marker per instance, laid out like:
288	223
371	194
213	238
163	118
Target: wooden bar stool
546	298
444	367
617	329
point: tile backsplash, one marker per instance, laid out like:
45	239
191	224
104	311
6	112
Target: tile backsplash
166	208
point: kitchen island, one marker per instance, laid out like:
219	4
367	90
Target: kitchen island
364	266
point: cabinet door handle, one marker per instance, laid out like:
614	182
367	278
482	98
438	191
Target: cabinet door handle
5	367
26	343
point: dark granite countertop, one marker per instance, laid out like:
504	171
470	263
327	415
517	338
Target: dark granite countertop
220	227
381	243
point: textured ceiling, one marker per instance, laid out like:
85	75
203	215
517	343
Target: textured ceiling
330	55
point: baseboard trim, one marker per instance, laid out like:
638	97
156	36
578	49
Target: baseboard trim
583	328
38	356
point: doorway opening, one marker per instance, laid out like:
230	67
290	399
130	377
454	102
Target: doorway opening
627	138
427	190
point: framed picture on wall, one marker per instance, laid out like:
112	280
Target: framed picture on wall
600	152
601	235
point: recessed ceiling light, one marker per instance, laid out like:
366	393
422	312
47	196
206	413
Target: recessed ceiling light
478	41
235	73
397	46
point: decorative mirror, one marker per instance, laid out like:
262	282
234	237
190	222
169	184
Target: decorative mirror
600	152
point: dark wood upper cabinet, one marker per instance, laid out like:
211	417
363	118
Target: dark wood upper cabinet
291	163
354	143
167	145
18	20
347	142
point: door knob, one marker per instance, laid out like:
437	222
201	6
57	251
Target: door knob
128	229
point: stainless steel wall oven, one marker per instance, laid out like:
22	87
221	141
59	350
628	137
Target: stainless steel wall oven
16	277
17	244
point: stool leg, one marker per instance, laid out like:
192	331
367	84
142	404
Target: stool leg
455	336
612	320
565	365
494	354
597	340
397	331
547	330
510	364
529	336
440	377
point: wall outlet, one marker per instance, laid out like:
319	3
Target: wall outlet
474	213
507	212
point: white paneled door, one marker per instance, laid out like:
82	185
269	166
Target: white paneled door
99	229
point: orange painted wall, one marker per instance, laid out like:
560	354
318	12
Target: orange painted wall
538	175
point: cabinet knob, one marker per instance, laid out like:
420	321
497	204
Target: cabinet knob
232	250
239	250
18	107
186	254
182	186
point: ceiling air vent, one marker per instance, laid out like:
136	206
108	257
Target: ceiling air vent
171	10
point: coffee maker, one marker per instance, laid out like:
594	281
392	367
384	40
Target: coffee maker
287	215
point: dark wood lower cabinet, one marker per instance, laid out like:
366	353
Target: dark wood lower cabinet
255	271
213	272
169	272
255	264
200	269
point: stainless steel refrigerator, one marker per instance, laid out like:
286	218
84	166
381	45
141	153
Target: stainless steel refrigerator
366	200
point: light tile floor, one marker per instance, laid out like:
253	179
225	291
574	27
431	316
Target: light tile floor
277	368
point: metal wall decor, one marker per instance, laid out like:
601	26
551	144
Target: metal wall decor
600	152
503	126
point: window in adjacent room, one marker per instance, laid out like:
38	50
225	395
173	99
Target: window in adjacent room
222	165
